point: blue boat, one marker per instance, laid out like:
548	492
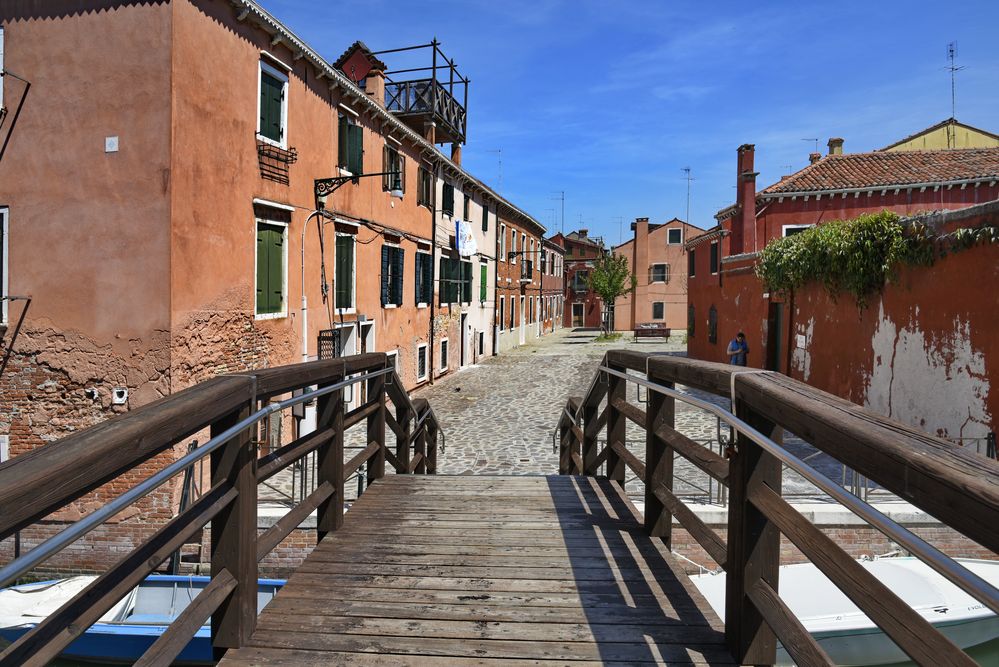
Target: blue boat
127	629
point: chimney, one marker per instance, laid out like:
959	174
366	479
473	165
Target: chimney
745	199
374	86
582	233
835	146
456	153
814	157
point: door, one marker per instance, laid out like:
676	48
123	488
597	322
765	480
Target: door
775	328
523	321
577	315
463	328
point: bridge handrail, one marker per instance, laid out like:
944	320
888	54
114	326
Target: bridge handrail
764	402
230	406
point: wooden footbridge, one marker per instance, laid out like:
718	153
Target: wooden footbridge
561	569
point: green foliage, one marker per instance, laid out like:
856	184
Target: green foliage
608	337
859	256
610	278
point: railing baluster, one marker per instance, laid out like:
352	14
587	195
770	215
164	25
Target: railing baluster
753	545
433	436
329	469
616	425
589	443
420	448
234	535
376	428
658	463
404	417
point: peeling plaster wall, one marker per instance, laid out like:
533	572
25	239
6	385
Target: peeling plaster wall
934	380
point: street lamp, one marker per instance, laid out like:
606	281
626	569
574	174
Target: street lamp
324	187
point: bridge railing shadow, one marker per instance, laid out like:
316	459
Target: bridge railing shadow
956	487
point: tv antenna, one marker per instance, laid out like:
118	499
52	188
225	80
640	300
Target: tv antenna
815	139
499	168
560	196
953	69
689	178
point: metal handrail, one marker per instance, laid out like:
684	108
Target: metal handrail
954	572
70	534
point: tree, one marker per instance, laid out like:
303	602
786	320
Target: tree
610	278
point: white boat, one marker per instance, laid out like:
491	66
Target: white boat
129	628
845	632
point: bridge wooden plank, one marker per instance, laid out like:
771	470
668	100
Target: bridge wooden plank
436	571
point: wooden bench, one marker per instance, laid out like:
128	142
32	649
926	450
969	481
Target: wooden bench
651	330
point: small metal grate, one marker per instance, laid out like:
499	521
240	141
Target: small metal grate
329	344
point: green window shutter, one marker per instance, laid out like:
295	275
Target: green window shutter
398	267
428	279
483	273
262	283
466	282
270	106
448	204
418	281
485	218
386	273
344	271
270	269
355	158
342	141
443	280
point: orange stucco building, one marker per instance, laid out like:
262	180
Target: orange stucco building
658	260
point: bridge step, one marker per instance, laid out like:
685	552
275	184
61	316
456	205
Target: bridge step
485	570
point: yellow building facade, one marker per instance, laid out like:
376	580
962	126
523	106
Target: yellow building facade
947	134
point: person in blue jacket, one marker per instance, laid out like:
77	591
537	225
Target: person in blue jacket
737	350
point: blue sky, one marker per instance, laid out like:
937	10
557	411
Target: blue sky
608	101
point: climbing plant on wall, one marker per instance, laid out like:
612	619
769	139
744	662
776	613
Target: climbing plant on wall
859	256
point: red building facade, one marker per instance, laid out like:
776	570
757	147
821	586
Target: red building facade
832	344
583	307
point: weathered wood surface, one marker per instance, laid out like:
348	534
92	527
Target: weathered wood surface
488	570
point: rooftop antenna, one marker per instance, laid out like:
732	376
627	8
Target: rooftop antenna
686	172
499	166
954	69
815	139
789	167
560	195
620	229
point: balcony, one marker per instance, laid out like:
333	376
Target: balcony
427	100
526	271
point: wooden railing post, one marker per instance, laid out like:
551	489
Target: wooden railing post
420	448
403	417
617	424
753	545
376	428
329	464
589	444
564	446
658	462
234	535
433	435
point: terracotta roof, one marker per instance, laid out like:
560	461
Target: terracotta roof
931	128
858	171
375	62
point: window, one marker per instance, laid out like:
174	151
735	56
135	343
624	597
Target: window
351	145
455	281
712	325
658	310
690	264
393	266
659	273
579	280
544	261
501	243
791	230
674	236
4	253
482	343
424	187
273	105
485	218
513	246
392	360
513	312
421	362
690	320
344	274
466	199
447	201
392	161
502	311
483	280
444	346
424	279
272	258
714	257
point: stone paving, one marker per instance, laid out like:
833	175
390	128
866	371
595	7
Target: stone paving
499	416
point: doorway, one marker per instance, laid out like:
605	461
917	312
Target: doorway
775	327
577	315
463	328
523	321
